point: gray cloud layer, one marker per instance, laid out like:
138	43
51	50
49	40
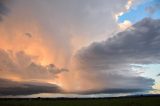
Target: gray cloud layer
112	91
111	62
8	87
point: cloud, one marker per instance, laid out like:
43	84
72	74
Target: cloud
124	25
153	8
112	91
58	28
24	67
158	75
29	35
109	64
62	24
114	83
9	87
127	7
3	8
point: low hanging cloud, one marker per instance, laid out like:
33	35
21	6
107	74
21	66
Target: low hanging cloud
23	66
9	87
110	63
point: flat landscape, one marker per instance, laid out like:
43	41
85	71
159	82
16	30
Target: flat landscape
122	101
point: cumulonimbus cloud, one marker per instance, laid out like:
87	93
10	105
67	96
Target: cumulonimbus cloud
111	62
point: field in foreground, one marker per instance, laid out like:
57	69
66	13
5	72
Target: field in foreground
123	101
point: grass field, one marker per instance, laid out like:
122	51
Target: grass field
124	101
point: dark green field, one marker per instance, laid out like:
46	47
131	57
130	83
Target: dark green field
124	101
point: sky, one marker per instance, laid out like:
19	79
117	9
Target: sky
79	48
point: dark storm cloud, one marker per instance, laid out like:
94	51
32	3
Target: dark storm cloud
137	45
112	91
111	61
158	75
8	87
121	84
3	8
23	65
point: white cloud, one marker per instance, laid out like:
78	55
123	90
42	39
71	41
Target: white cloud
124	25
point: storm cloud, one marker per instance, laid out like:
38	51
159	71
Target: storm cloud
52	31
9	87
111	63
39	40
